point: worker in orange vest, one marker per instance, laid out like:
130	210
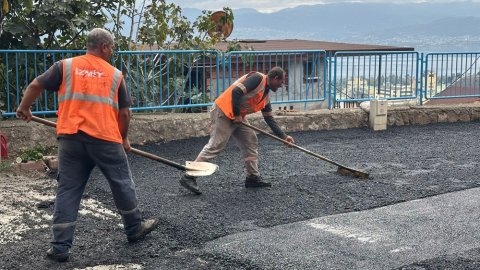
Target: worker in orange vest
92	129
247	95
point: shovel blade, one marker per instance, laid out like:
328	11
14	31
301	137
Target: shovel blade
352	172
200	168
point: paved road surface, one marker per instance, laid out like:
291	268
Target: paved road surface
381	238
419	210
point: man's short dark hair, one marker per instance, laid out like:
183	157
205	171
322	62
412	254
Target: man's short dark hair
276	72
97	37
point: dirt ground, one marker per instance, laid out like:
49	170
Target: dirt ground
405	163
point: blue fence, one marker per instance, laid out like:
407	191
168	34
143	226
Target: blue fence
191	80
362	76
305	73
170	79
18	68
451	75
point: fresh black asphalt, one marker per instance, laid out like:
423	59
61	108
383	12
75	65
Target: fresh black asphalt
405	163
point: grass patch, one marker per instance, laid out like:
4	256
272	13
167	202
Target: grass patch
5	165
37	152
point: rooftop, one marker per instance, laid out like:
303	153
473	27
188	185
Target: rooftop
299	44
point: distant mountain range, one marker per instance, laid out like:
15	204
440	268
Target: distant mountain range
425	26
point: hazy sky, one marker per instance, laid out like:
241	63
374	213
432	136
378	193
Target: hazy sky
274	5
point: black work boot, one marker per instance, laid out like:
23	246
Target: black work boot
255	181
190	183
58	257
147	227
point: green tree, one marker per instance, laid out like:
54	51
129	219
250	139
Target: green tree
50	24
163	27
125	13
63	24
166	27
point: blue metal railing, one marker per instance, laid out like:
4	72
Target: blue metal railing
306	72
451	75
191	80
170	79
18	68
363	76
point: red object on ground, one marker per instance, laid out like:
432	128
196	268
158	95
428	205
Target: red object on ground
3	146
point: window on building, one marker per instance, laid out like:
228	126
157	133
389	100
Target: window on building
311	71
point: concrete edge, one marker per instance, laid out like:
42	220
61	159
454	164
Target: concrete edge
164	127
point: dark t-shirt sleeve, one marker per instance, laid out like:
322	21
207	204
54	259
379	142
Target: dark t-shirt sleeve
251	83
124	99
267	108
53	77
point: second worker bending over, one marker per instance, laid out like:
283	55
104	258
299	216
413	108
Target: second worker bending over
247	95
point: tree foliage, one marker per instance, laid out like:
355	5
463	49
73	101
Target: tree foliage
50	24
156	25
62	24
166	27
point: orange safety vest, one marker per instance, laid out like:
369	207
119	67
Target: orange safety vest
251	102
88	98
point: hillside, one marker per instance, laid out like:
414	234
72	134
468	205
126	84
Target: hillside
425	26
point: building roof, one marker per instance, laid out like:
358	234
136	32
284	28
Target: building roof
456	91
299	44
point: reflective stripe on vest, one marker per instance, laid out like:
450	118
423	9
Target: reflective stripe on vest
251	102
246	106
86	97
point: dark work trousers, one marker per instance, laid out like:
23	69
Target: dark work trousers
77	158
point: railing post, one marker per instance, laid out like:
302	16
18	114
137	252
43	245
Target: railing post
329	95
380	76
230	67
422	66
220	61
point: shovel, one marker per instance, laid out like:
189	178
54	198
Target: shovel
343	170
192	168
